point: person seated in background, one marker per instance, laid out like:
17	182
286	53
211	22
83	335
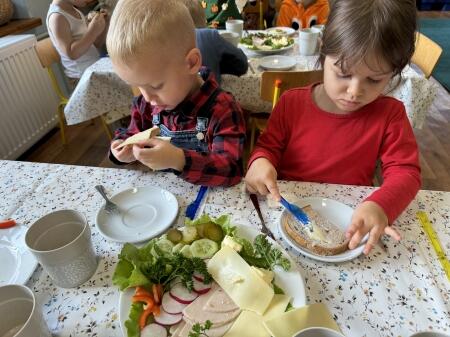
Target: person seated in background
219	55
75	39
205	123
300	14
217	12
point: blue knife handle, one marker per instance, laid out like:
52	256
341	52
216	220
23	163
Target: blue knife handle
193	207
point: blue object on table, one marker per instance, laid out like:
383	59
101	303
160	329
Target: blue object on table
193	207
297	212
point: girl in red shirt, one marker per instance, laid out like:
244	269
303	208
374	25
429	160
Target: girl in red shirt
337	131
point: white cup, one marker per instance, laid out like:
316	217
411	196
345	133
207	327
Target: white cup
429	334
318	29
20	315
235	26
231	37
61	242
307	41
318	331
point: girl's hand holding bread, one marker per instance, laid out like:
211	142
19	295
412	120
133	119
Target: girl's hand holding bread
370	218
123	154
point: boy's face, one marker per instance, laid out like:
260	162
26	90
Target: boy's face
360	85
163	80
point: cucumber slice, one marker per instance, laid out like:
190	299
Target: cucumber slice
177	248
186	251
204	248
213	232
189	234
165	245
174	235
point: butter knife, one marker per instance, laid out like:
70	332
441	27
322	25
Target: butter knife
264	229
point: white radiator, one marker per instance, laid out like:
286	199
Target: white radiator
27	100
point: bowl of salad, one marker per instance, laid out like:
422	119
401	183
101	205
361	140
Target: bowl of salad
263	43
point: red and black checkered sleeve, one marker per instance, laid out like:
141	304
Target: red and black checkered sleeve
222	165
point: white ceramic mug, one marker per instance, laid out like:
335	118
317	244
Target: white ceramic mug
231	37
235	26
318	331
307	41
318	29
20	315
61	242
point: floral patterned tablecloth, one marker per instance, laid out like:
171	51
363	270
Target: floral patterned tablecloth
101	92
385	294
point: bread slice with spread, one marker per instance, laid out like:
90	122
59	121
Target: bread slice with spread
325	238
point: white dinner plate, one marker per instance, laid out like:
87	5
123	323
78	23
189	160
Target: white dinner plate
145	212
290	281
267	52
280	30
277	62
339	214
16	261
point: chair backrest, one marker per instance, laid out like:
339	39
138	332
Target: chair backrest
259	7
426	54
46	52
48	55
275	82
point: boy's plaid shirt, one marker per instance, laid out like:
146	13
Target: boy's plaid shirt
222	165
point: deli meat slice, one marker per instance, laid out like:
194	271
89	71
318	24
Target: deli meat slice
220	302
213	332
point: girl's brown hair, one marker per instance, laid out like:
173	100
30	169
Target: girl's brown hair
358	27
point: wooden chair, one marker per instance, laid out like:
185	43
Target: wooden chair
426	54
259	7
273	84
48	56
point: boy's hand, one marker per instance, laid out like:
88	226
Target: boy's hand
261	177
159	154
125	154
97	23
370	218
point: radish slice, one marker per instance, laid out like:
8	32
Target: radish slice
154	330
201	288
172	306
167	319
198	276
180	293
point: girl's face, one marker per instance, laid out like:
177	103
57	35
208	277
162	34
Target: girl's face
361	84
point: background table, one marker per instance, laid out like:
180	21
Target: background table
384	294
100	91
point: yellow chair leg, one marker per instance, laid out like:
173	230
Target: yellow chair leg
61	124
106	127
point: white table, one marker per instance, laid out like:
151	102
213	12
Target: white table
392	294
101	92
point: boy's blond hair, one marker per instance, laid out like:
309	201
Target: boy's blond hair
197	12
139	26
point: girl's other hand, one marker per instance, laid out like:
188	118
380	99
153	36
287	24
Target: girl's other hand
125	154
370	218
261	178
98	23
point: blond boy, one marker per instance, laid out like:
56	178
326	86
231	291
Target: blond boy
152	47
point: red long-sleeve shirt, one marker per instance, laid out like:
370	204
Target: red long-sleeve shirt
306	143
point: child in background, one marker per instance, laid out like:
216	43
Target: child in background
219	55
205	124
300	14
335	131
73	38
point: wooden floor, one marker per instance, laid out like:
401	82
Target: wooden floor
88	144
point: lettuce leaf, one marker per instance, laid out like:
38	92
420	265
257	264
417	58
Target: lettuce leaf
132	323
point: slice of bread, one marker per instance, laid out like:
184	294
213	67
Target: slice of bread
143	135
325	239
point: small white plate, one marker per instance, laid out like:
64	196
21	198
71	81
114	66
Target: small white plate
337	212
277	62
145	213
16	261
290	281
280	31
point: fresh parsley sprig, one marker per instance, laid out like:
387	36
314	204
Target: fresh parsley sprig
200	330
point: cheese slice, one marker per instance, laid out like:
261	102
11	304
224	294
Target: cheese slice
239	281
134	139
251	324
266	275
290	322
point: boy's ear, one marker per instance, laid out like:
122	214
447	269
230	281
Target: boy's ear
194	60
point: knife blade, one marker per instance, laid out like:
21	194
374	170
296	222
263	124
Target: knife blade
264	229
